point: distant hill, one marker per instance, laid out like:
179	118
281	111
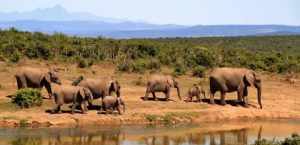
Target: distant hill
57	19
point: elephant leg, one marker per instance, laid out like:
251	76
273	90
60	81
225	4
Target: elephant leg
86	103
147	94
212	96
19	83
74	107
223	98
57	109
198	98
83	107
203	94
167	93
154	96
23	82
119	109
245	96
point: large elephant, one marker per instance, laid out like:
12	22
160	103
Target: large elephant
161	83
234	79
28	77
99	87
78	96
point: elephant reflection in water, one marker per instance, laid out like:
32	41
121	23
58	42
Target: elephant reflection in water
196	138
103	138
236	137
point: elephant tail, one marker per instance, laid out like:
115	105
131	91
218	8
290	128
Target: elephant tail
77	81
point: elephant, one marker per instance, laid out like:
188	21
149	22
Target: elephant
65	94
234	79
28	77
197	91
161	83
99	87
113	103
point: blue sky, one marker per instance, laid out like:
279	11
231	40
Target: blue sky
186	12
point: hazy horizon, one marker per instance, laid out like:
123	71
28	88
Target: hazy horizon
189	12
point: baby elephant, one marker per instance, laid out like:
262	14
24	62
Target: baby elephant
112	103
197	91
78	96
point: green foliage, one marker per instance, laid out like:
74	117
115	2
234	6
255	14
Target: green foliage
15	57
138	66
27	141
293	140
84	63
278	54
151	118
199	71
179	69
28	97
23	123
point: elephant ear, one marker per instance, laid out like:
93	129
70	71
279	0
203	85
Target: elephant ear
110	87
249	78
170	82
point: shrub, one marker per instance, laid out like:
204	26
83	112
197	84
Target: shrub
27	97
139	82
198	71
83	63
179	69
15	57
123	66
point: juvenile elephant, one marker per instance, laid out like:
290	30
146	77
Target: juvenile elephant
78	96
234	79
197	91
113	103
161	83
99	87
28	77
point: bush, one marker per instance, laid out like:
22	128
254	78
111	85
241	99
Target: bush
28	97
179	69
293	140
15	57
198	71
83	63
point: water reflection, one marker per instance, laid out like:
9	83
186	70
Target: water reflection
128	136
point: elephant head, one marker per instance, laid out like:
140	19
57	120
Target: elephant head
114	86
86	94
52	74
252	79
173	83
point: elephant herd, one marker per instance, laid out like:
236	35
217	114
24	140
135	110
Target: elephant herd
83	90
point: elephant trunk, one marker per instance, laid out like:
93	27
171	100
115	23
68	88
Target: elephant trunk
259	96
118	93
178	92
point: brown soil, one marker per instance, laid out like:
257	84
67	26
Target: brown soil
280	101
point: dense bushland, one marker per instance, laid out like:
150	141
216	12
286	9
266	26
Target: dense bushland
278	54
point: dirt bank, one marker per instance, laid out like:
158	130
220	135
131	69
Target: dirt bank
280	101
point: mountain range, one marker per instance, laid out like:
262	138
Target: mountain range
58	19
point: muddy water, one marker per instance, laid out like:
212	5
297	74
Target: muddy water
236	133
